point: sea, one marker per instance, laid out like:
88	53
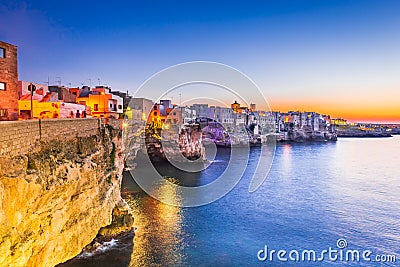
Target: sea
322	204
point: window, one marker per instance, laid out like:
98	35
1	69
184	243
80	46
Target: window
2	52
2	86
96	107
3	113
119	106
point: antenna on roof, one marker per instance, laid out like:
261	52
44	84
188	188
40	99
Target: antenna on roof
59	80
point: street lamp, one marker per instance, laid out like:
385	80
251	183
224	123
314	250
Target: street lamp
104	103
31	88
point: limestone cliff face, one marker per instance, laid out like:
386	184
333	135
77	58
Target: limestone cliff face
54	201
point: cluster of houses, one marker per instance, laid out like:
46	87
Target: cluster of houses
62	102
301	126
237	119
28	100
307	121
165	114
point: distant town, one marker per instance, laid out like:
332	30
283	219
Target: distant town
24	100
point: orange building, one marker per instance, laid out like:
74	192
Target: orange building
238	109
100	101
235	106
159	113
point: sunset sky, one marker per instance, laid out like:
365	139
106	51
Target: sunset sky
336	57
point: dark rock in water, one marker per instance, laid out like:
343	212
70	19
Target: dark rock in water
113	244
113	250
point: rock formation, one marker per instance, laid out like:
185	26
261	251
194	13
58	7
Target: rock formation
54	201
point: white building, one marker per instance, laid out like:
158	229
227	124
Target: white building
202	110
23	88
180	115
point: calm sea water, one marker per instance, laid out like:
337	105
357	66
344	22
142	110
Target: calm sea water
314	195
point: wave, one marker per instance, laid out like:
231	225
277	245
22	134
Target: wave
217	161
99	248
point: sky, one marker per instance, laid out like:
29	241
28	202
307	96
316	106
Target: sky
335	57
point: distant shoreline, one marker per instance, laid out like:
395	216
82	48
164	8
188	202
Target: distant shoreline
366	136
353	134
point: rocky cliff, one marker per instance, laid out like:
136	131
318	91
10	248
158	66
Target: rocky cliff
55	198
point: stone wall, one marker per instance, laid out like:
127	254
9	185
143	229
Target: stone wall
9	76
58	187
22	137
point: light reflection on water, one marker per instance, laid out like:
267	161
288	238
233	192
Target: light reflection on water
158	238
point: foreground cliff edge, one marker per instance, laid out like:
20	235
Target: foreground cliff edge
60	184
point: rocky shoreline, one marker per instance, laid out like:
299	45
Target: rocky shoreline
303	136
56	197
112	250
360	133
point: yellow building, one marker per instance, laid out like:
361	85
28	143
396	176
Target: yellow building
339	121
47	110
238	109
235	106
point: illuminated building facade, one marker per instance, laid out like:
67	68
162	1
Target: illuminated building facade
238	109
101	101
49	110
159	113
339	121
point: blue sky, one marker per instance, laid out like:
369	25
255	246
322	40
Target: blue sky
302	54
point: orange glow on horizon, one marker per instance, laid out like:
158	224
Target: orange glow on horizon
354	108
353	111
